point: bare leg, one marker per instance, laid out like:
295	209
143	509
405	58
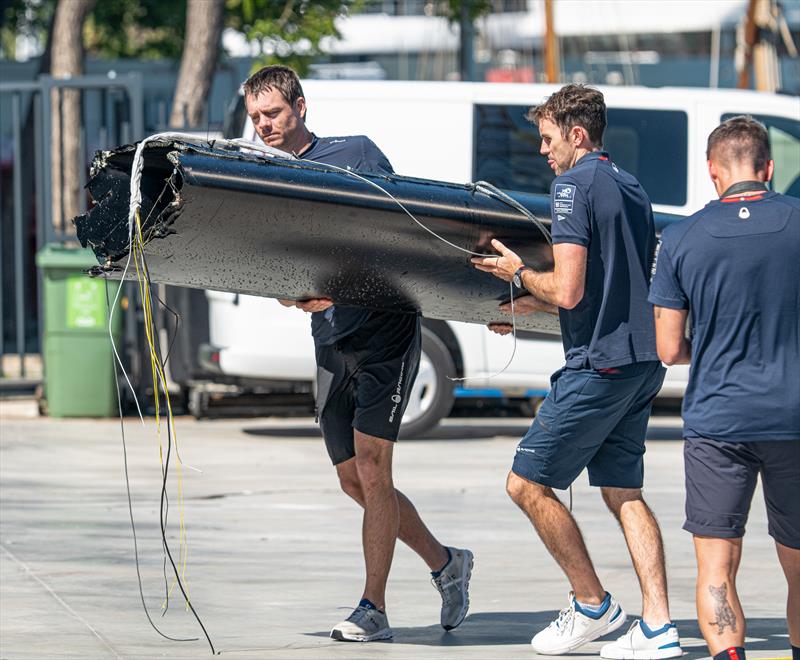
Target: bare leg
381	515
790	562
719	612
560	534
413	531
643	537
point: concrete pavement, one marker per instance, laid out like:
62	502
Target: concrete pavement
274	555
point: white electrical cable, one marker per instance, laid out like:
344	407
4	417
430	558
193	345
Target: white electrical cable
111	335
399	203
487	189
138	163
513	350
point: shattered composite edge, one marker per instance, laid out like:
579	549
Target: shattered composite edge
231	221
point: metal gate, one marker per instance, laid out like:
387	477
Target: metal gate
111	113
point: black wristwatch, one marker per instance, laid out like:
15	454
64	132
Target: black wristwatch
518	277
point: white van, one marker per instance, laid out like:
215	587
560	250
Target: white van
462	132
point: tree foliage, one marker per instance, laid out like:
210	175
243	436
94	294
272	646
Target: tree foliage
143	29
23	18
289	31
452	9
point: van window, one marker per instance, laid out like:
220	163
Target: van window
650	144
784	140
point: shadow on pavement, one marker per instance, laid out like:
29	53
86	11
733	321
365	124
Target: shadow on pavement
656	432
285	432
449	432
517	628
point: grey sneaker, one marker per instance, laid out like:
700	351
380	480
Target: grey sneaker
453	585
365	624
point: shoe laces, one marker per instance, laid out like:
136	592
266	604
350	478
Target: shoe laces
565	618
631	630
442	583
358	615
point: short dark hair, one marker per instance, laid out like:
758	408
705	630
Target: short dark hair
278	77
740	139
574	105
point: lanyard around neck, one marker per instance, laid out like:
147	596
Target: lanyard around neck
744	186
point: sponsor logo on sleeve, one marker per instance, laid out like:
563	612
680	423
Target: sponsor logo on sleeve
563	199
655	261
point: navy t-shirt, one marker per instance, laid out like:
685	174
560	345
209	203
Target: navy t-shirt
735	265
605	209
355	152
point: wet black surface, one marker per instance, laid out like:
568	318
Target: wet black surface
289	229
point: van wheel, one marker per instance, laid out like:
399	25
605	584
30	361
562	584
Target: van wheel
431	397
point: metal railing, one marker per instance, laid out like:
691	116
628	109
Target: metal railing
111	112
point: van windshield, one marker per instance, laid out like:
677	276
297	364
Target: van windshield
784	140
650	144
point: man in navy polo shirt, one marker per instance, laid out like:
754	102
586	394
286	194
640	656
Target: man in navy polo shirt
365	360
733	268
597	410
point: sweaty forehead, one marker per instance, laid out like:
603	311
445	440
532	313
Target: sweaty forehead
269	97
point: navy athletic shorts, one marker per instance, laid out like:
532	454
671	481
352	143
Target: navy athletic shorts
721	478
364	381
595	419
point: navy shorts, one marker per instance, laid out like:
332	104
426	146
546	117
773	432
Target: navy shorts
364	381
591	419
721	478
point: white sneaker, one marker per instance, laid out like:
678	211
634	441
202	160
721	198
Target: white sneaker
642	643
575	627
365	624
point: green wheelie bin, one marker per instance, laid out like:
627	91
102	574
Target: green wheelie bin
78	361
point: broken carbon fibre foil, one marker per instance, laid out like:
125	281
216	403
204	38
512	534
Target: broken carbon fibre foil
236	222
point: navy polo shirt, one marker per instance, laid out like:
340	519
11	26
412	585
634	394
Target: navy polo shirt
356	152
735	265
598	205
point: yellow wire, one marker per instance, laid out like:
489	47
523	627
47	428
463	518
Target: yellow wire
159	384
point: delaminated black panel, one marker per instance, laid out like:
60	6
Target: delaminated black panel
291	229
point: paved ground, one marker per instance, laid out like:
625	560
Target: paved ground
273	547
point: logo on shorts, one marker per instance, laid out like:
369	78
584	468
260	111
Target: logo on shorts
397	397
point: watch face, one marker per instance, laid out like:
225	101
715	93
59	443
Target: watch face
517	281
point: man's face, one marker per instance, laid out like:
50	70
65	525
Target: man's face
278	123
560	151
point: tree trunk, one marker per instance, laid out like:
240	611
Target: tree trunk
200	51
66	62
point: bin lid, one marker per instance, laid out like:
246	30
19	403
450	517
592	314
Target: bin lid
54	255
